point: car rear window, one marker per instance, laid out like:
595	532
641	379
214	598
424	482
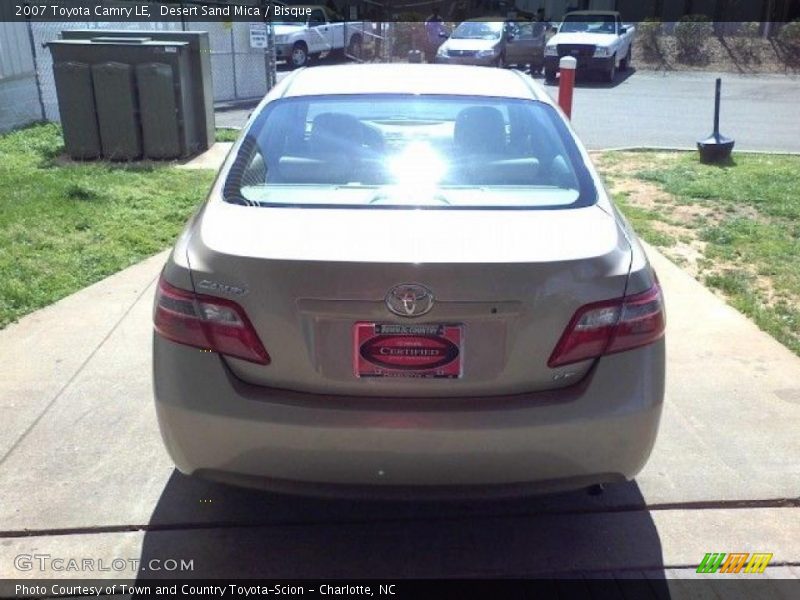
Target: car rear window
392	151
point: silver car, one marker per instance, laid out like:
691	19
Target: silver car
408	279
495	44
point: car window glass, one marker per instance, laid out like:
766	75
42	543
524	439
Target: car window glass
317	17
451	151
524	31
593	24
479	30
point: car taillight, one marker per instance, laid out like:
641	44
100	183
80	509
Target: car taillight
611	326
206	322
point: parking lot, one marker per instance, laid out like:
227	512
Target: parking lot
669	109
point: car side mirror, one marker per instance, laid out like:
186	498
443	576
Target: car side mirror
443	34
623	30
553	28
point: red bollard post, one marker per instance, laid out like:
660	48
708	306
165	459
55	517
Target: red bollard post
566	83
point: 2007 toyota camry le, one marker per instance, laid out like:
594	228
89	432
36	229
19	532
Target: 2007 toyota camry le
408	280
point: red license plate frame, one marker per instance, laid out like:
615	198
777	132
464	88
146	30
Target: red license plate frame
428	350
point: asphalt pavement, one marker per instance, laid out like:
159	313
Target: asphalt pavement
670	109
675	109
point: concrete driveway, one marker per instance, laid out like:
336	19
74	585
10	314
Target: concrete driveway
83	472
671	109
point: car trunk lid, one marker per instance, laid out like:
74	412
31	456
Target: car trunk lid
508	280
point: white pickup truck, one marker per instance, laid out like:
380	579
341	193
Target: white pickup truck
599	40
321	33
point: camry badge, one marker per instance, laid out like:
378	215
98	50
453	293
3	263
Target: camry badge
216	286
409	300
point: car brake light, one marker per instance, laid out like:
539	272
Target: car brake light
206	322
611	326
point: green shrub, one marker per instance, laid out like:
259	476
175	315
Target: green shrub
749	30
745	42
789	36
648	33
691	34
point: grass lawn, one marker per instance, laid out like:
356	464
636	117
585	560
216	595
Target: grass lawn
735	227
65	225
226	134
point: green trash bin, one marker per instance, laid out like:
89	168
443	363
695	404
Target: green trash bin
160	126
141	100
76	106
117	110
201	94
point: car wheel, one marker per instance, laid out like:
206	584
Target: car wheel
625	63
354	47
611	74
299	56
550	75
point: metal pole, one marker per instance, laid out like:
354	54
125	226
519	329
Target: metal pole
269	57
36	77
233	64
716	108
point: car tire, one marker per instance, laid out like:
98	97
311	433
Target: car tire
625	63
611	74
550	75
299	56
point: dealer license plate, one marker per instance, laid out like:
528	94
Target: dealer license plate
400	350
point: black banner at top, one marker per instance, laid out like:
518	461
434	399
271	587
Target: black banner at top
390	10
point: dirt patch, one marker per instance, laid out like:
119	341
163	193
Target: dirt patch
680	222
742	250
628	163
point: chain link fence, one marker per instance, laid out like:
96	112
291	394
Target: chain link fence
18	93
239	71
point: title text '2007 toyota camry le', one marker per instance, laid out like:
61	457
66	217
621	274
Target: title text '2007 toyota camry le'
409	279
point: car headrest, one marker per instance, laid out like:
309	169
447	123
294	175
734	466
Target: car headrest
480	129
333	133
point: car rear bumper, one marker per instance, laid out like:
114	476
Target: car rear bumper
589	63
599	430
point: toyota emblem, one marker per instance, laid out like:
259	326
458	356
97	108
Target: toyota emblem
409	300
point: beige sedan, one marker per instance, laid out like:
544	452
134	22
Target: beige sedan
408	280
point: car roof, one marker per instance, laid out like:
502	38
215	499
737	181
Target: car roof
403	78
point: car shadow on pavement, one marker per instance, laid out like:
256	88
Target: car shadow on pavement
594	80
238	533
